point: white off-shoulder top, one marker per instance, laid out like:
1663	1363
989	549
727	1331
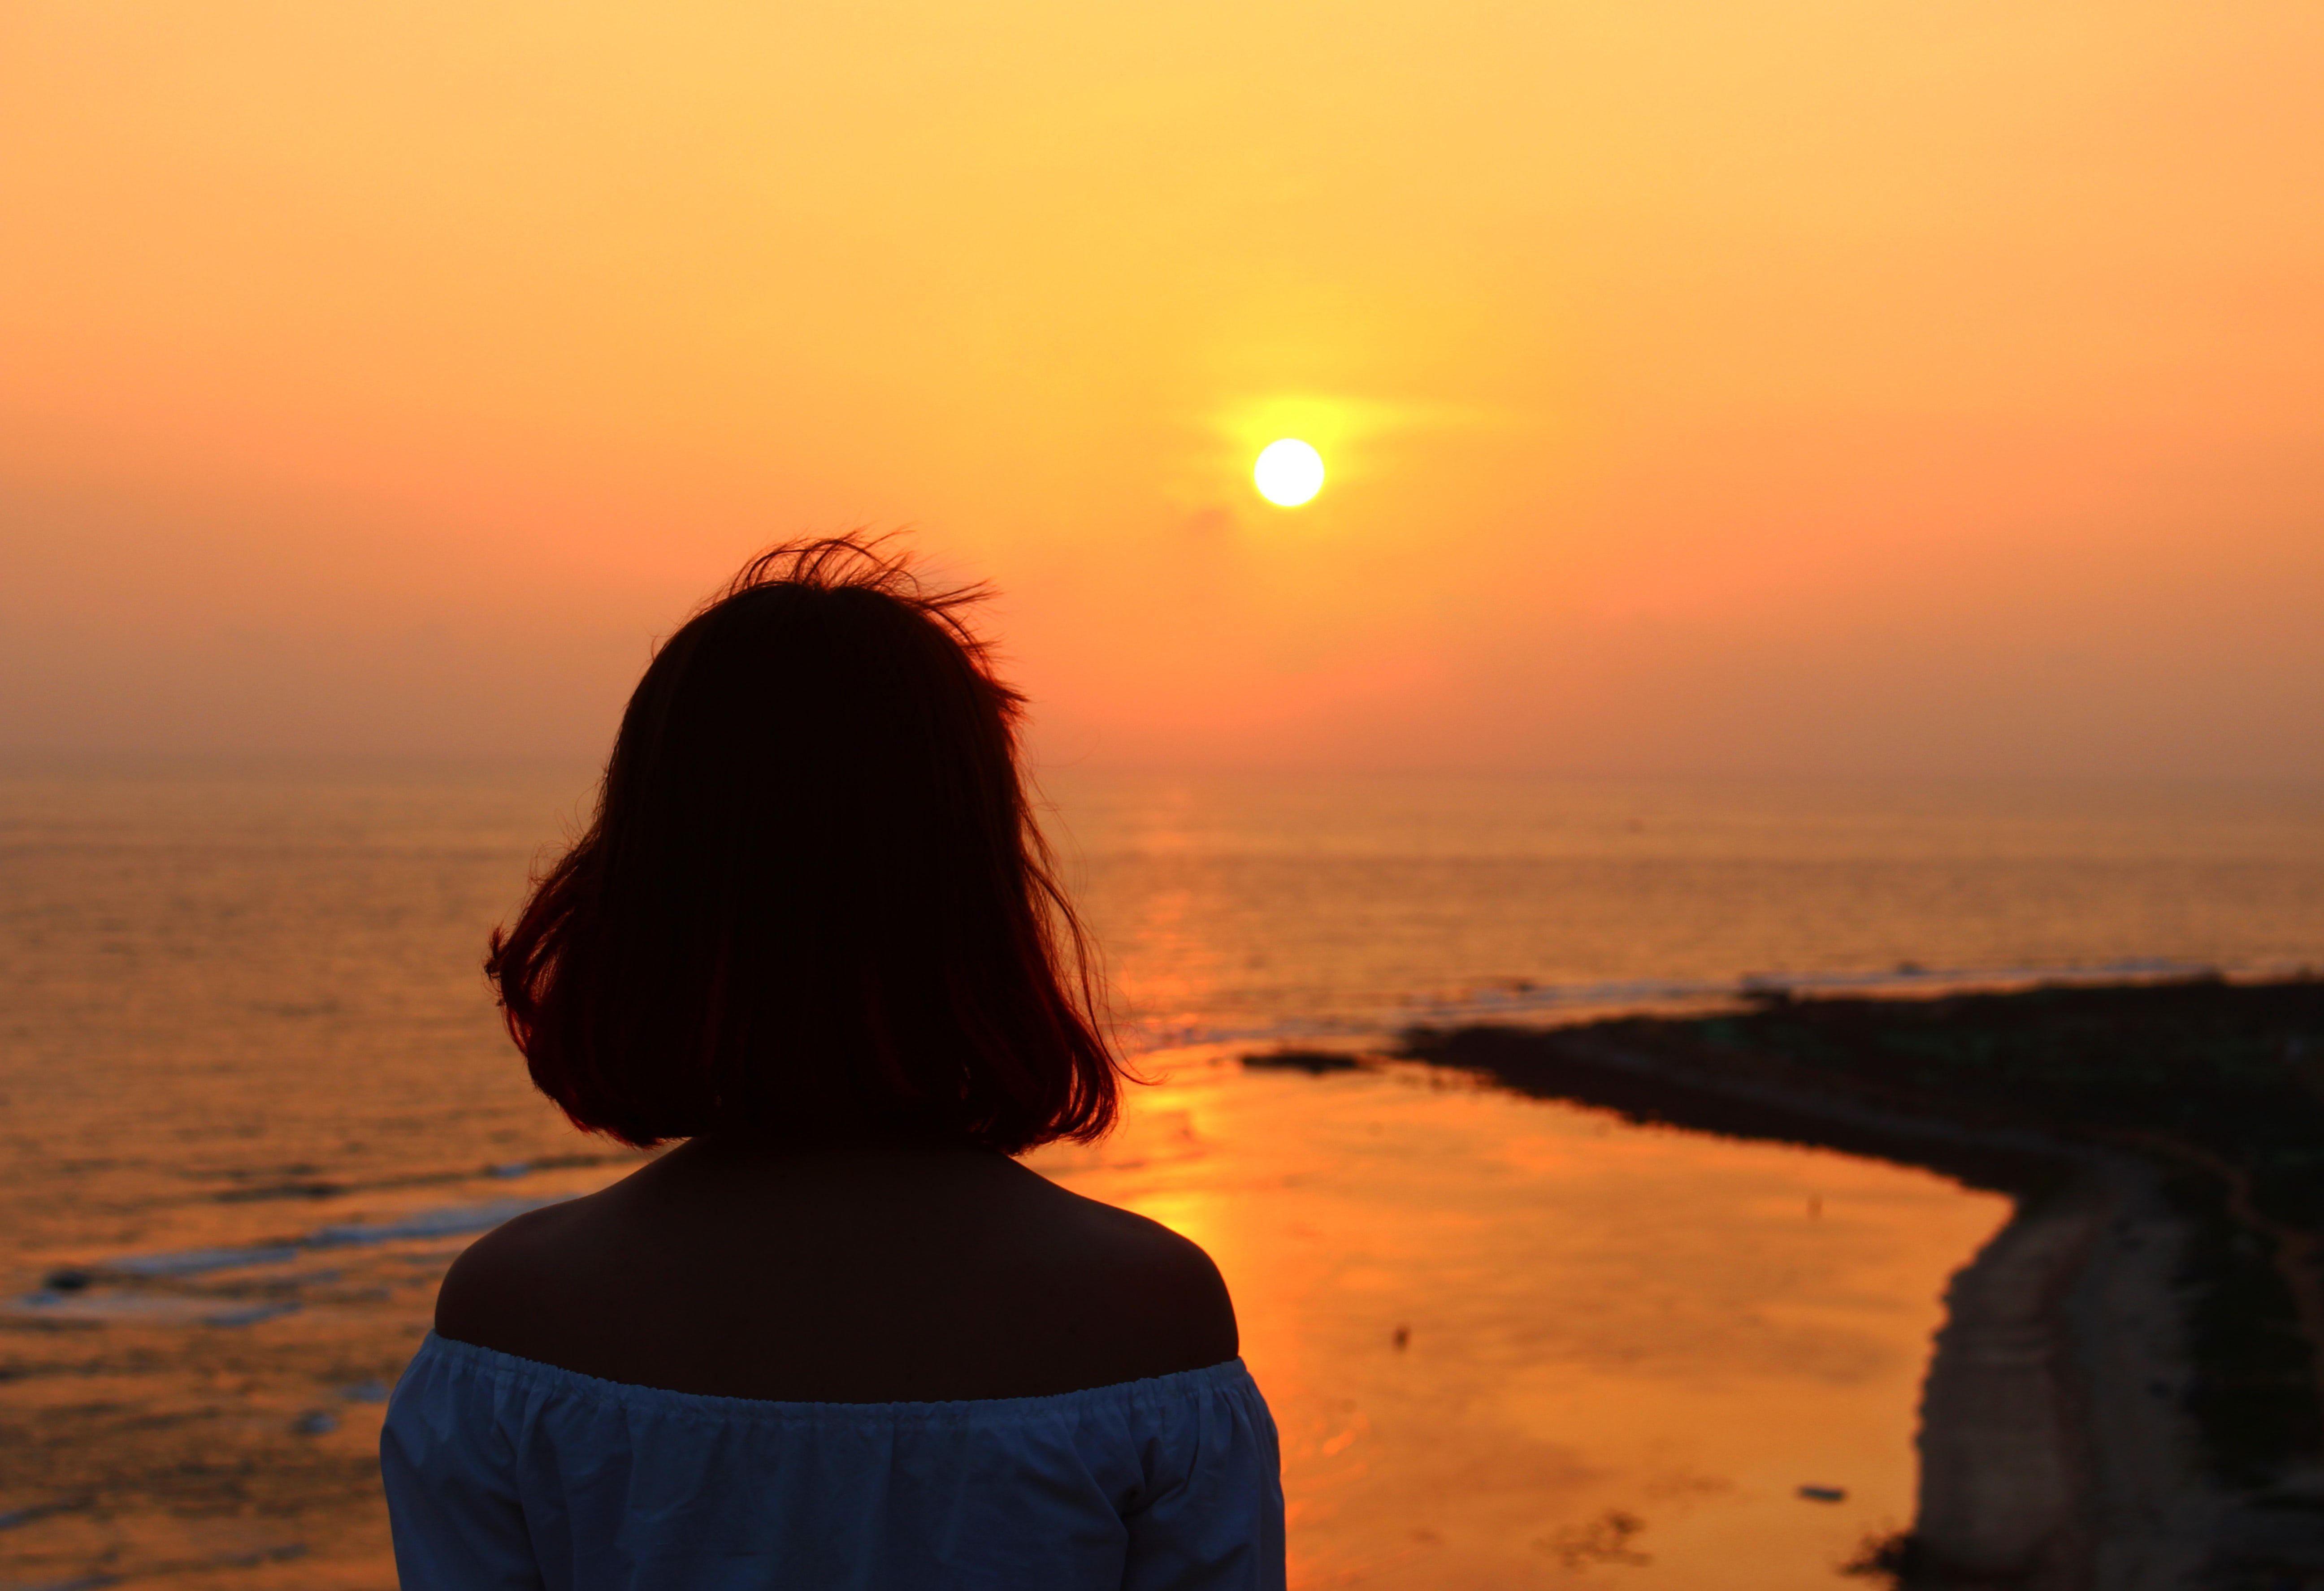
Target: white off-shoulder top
502	1473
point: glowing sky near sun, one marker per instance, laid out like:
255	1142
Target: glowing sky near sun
1797	386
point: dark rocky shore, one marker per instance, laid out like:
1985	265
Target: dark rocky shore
2130	1389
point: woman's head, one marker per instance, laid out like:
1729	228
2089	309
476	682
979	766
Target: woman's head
813	901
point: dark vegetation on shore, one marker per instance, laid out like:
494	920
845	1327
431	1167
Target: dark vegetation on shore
2220	1085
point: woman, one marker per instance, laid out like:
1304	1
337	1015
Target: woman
838	1336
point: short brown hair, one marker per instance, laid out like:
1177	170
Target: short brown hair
813	900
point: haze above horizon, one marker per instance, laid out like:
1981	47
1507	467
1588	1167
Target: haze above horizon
1824	390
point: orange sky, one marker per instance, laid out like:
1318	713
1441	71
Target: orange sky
1832	387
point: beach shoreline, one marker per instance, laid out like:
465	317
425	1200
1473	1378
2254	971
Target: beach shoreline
2056	1447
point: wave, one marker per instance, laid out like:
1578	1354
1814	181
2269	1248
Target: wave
120	1288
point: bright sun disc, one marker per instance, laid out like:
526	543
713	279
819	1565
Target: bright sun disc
1288	473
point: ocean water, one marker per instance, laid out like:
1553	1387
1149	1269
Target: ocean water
1264	907
254	1098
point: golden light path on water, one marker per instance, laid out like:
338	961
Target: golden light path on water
1620	1347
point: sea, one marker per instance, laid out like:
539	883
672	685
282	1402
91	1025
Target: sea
255	1098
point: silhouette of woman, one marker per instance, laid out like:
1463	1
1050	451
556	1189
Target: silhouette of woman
838	1336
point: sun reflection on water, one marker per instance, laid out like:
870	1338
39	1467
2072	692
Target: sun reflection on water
1504	1339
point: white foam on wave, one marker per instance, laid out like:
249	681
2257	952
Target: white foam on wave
77	1293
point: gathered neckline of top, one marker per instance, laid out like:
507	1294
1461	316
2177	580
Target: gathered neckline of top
1232	1372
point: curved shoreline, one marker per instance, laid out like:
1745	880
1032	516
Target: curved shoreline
2053	1452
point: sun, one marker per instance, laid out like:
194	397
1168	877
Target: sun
1288	473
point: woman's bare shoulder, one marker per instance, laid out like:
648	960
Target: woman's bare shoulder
1151	1281
939	1280
500	1286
